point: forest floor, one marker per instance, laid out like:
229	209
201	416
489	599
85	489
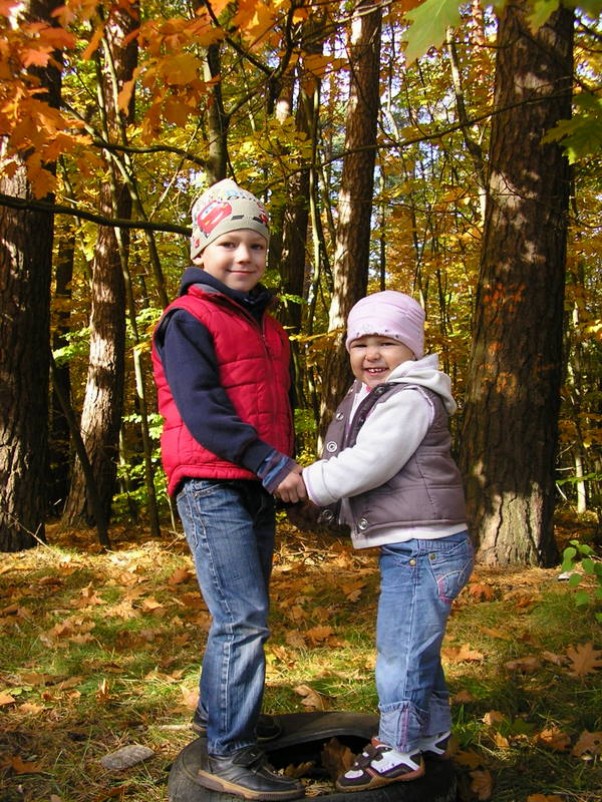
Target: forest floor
101	650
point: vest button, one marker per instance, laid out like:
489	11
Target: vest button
331	446
362	524
413	561
339	416
326	517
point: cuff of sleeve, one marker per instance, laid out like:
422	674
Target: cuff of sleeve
273	470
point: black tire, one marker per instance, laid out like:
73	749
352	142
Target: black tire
303	738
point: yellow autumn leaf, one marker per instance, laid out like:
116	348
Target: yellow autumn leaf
180	70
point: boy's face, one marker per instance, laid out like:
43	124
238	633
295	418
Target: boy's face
373	357
237	259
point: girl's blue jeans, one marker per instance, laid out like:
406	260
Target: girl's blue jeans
230	526
419	580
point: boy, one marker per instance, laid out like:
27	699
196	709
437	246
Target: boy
388	469
221	366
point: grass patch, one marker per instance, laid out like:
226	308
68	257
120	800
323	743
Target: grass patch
101	650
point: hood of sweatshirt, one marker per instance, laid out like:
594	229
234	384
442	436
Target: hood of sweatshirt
425	372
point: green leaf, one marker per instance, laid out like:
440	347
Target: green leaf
542	11
429	23
568	557
580	136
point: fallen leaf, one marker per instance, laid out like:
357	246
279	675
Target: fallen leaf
480	591
556	659
312	698
500	740
469	759
464	654
544	798
584	658
493	717
502	634
295	639
6	698
528	665
461	697
336	758
318	634
30	708
481	784
20	766
589	743
179	575
554	738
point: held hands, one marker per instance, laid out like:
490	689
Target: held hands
292	488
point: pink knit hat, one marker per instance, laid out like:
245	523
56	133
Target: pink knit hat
222	208
388	313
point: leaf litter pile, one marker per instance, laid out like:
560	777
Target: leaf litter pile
101	651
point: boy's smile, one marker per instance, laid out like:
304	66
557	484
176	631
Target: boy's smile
374	357
237	259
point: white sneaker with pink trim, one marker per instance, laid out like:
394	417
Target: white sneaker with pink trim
380	765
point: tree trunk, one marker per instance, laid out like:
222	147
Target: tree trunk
25	267
352	252
103	400
60	448
512	405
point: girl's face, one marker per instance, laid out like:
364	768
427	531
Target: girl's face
373	358
237	259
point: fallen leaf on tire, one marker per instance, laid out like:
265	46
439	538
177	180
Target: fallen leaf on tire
126	756
482	784
336	758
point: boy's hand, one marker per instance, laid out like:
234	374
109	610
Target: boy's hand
292	488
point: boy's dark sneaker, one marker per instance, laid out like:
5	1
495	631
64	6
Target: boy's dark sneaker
247	773
267	727
380	765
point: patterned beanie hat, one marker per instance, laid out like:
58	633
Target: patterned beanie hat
391	314
222	208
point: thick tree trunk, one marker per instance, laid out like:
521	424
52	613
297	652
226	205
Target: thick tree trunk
25	266
25	270
351	259
510	422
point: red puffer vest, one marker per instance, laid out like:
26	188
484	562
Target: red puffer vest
253	362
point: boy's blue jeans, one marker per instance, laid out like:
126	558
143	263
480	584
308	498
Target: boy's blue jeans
230	526
419	580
